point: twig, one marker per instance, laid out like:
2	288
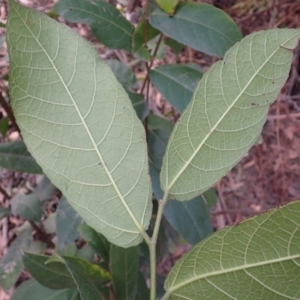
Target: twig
151	63
9	112
42	234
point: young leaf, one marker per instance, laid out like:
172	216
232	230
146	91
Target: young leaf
15	156
256	259
11	264
79	124
176	83
67	222
89	278
96	241
105	21
124	268
27	206
32	290
200	26
227	112
168	5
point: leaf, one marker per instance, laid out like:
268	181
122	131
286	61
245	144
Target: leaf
27	206
140	38
15	156
86	149
96	241
4	125
11	265
45	189
167	5
124	264
67	222
123	73
200	26
176	83
259	259
221	123
191	219
54	275
210	197
139	104
105	21
88	277
4	212
143	292
174	45
32	290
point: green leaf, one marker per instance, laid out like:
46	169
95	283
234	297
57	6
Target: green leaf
190	218
143	292
227	112
176	83
4	212
259	259
167	5
15	156
123	73
79	125
89	278
139	104
156	122
11	265
124	264
45	189
105	21
140	38
174	45
200	26
53	275
27	206
210	197
97	241
4	125
67	222
32	290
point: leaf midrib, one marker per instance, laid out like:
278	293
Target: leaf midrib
222	118
139	227
230	270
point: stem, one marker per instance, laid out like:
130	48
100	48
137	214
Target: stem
152	245
151	63
9	112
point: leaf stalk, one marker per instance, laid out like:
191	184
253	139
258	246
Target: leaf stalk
152	245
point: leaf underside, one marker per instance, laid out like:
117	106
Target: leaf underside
227	112
79	124
258	258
